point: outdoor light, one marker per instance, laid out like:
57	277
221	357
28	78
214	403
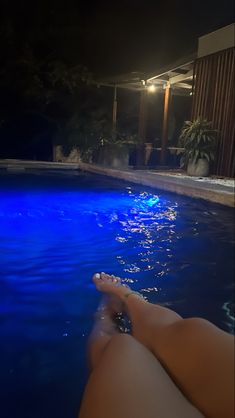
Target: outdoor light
151	88
152	201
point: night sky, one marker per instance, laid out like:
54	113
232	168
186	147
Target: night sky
113	37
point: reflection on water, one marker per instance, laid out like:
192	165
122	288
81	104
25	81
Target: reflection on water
55	233
230	315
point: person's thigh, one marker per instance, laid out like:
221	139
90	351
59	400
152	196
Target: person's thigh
129	382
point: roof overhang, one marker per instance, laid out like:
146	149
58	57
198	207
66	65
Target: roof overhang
178	75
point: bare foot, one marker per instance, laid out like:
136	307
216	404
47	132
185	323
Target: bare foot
108	317
112	285
107	321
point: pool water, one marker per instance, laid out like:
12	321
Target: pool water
55	232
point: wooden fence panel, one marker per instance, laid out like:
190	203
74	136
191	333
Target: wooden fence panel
213	99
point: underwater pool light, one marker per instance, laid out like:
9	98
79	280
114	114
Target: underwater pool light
152	201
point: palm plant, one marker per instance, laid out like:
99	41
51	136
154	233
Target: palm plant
198	140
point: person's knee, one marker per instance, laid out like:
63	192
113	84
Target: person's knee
121	340
185	328
193	329
123	345
117	348
196	324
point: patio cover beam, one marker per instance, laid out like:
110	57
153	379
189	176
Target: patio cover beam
181	77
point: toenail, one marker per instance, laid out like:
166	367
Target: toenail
97	275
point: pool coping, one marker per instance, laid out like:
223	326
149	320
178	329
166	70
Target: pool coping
22	165
183	185
176	182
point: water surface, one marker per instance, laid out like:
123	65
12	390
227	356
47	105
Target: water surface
55	232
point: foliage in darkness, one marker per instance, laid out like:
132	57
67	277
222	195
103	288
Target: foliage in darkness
199	140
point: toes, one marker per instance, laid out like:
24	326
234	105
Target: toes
102	278
115	279
97	280
105	277
109	278
96	277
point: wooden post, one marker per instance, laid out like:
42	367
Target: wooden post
142	126
165	124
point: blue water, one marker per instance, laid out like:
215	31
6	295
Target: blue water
55	232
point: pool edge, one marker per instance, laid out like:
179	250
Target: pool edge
183	186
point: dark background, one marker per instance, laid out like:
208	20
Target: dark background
51	50
112	37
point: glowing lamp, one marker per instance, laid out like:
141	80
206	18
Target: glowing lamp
151	88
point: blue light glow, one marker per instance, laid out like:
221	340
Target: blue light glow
55	232
153	201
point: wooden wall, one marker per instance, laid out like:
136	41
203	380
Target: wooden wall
213	99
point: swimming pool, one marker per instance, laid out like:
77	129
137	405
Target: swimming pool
55	232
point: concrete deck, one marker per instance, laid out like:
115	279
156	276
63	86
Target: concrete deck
213	189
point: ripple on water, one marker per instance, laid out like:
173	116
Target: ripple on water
177	251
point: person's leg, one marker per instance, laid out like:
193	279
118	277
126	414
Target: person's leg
145	317
196	354
200	358
129	382
104	328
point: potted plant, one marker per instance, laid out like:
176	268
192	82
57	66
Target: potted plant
199	142
115	148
